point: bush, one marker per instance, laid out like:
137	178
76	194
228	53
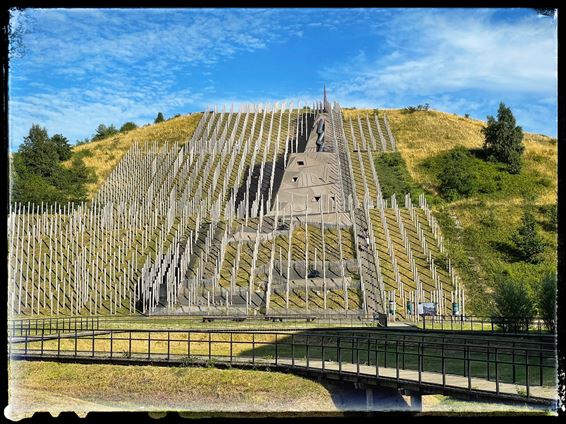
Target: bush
456	177
527	241
411	109
128	126
546	300
393	176
512	300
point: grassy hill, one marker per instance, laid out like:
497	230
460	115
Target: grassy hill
478	229
103	155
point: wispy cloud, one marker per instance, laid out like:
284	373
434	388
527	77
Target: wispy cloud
460	59
83	67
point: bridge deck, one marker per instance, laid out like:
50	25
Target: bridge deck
429	382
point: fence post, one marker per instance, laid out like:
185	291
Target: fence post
527	372
253	348
540	364
307	350
42	337
26	344
322	350
188	343
58	343
148	344
168	345
339	355
293	350
376	357
231	347
111	343
469	368
397	361
496	371
419	358
357	356
209	345
513	358
443	366
129	344
93	342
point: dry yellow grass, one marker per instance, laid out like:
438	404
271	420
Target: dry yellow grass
105	154
421	135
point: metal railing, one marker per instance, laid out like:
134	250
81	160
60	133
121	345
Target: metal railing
484	324
440	361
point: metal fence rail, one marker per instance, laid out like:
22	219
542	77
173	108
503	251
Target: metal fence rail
497	367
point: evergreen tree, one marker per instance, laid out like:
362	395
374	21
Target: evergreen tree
63	147
159	118
528	242
102	131
38	153
546	300
504	139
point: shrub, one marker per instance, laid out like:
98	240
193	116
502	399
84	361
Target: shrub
393	176
527	241
511	299
456	177
546	300
128	126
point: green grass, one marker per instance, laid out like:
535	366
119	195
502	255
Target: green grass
54	387
394	177
478	229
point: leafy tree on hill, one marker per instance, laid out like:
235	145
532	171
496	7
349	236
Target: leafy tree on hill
159	118
38	153
528	242
37	175
102	131
504	139
63	147
128	126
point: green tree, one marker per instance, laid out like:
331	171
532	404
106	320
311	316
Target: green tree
38	153
128	126
456	179
527	241
511	300
504	139
159	118
102	131
62	145
546	300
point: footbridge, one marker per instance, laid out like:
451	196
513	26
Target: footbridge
416	362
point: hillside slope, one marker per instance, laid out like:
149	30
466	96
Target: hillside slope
104	155
478	229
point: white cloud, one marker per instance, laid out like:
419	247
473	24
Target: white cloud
437	51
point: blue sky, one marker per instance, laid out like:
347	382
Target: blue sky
83	67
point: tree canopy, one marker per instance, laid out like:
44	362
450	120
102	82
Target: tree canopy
159	118
504	139
37	174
